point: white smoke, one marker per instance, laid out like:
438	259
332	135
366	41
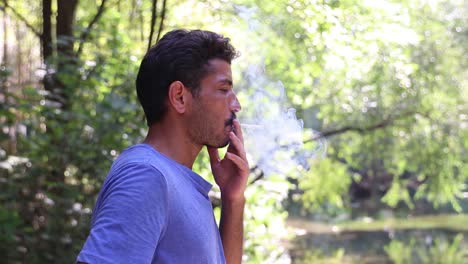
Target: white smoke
274	136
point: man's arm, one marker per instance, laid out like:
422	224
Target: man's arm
231	175
231	228
131	217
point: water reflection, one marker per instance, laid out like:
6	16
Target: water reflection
392	246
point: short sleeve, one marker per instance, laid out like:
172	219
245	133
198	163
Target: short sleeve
130	217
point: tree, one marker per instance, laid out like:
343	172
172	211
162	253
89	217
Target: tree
376	78
68	146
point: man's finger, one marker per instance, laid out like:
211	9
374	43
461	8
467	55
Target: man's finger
237	145
238	130
241	164
214	155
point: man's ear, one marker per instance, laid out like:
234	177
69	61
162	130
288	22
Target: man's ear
178	96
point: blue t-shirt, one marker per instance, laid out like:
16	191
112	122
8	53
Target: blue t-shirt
152	209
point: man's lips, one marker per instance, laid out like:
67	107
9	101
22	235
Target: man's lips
230	126
230	121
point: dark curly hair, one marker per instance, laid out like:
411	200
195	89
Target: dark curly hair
181	55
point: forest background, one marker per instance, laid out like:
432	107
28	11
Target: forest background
381	87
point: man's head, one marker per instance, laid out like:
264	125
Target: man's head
182	56
209	116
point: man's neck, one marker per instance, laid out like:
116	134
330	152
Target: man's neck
172	141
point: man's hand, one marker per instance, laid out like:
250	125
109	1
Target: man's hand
232	171
231	175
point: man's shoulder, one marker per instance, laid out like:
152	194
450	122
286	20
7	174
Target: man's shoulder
141	155
134	159
138	152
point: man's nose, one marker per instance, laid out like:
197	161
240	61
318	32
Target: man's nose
235	105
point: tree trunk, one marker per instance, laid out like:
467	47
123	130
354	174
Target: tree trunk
46	36
161	21
66	10
65	56
154	16
47	45
4	63
20	67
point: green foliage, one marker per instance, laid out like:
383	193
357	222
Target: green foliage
265	230
319	190
47	199
444	251
264	215
317	256
391	77
399	252
441	251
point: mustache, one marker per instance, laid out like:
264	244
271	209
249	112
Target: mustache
230	121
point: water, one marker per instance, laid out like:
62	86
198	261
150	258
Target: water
435	245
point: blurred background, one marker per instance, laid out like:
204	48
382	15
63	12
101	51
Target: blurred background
381	87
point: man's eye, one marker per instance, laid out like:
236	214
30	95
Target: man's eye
224	90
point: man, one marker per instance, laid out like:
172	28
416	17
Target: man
152	207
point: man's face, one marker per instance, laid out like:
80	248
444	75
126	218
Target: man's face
213	108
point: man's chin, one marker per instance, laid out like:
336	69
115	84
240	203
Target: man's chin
224	144
218	145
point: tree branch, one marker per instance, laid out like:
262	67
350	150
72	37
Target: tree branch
161	22
85	34
21	18
153	22
257	173
384	123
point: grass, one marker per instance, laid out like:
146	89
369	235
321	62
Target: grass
455	222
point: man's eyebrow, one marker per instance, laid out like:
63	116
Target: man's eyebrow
225	81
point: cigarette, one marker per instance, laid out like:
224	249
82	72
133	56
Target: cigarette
251	126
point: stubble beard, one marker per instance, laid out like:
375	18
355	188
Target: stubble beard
203	130
204	134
